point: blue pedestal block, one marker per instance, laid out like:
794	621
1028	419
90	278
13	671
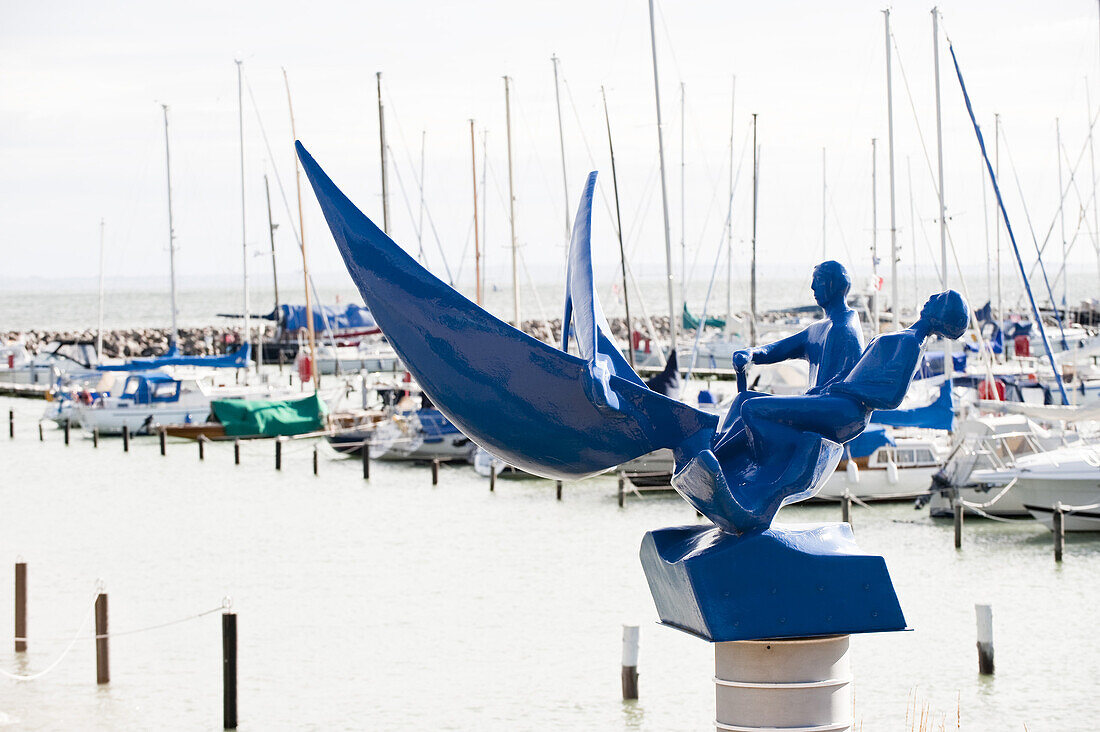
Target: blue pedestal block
789	581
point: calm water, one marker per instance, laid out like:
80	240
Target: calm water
396	605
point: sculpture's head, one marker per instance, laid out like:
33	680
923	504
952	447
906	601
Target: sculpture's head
830	283
946	314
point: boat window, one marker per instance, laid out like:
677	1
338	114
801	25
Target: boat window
166	391
131	387
904	457
925	456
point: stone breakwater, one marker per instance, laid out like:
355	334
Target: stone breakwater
144	342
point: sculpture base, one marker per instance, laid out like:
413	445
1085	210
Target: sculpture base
790	581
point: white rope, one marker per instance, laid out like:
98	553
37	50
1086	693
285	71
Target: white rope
59	659
995	498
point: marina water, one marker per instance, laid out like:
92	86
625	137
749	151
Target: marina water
392	604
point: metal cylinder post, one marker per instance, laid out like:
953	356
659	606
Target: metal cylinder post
622	489
20	607
102	666
846	508
41	435
557	489
1059	526
68	431
315	464
630	661
803	683
984	617
125	438
492	476
229	670
11	423
95	436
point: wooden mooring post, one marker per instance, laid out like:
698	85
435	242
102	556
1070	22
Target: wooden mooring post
1058	524
41	434
630	661
366	460
846	508
435	471
11	423
557	489
492	476
68	430
95	436
984	616
102	664
202	447
20	607
957	513
278	453
163	441
237	451
315	464
622	489
126	438
229	670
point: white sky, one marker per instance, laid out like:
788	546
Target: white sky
81	134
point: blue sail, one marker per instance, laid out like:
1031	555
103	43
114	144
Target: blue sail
530	404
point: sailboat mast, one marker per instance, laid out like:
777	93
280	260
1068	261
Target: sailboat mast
619	230
512	201
420	212
484	205
824	204
729	215
315	373
874	236
1092	162
271	226
99	329
683	205
997	238
244	240
171	229
939	154
1062	217
477	240
382	145
912	231
895	301
561	144
664	184
755	190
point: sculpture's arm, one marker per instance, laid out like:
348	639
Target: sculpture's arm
784	349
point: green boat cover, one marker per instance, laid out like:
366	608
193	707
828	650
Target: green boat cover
270	418
690	322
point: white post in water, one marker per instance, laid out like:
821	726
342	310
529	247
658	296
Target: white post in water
984	617
796	684
630	661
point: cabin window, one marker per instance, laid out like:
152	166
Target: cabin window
925	456
166	391
904	457
131	387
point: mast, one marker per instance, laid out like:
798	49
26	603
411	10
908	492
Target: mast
1062	218
382	145
271	226
755	190
477	242
985	222
729	216
874	236
244	240
895	302
664	184
824	203
99	329
484	205
619	230
561	144
948	359
912	232
420	213
1092	162
997	165
683	205
171	230
512	202
313	370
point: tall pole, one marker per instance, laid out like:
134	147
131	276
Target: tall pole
512	202
561	143
619	229
244	240
874	236
477	241
683	204
99	329
985	222
1062	218
1092	162
171	230
420	212
752	276
315	373
895	302
484	204
997	238
912	232
824	204
664	184
729	215
382	146
948	359
271	226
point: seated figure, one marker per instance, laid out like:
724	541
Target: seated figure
831	346
783	452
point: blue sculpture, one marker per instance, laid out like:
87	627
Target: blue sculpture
563	416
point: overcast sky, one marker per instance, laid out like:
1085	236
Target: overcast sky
82	137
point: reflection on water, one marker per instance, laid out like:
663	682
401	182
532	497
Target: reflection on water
391	604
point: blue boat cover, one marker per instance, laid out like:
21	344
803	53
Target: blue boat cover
238	359
939	415
351	316
872	439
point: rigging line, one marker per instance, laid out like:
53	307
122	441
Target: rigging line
274	167
408	204
465	250
591	158
1038	251
59	659
733	192
840	228
706	301
531	283
928	245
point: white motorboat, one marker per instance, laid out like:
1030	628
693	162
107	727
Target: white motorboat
891	472
1067	478
56	359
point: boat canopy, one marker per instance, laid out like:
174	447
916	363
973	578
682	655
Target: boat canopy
270	418
690	322
872	439
238	359
150	388
325	317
